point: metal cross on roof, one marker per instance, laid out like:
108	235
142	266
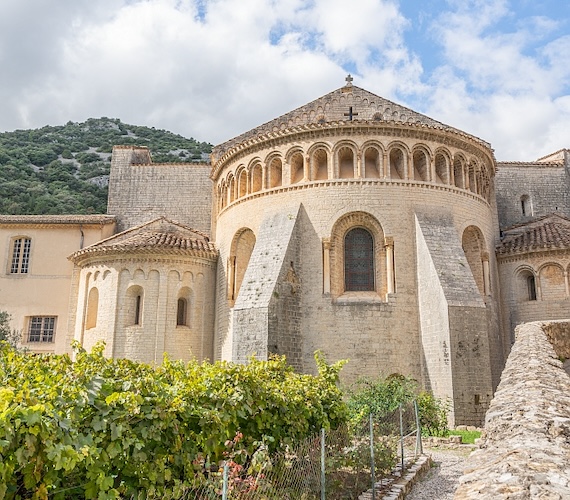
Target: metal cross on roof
350	113
349	80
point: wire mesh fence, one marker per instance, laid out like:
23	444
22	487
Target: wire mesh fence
355	461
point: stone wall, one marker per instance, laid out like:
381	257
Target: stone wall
526	449
140	190
546	185
453	321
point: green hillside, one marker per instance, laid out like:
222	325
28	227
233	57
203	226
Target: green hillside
65	169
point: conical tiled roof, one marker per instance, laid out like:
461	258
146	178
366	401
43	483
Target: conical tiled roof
348	103
551	232
160	235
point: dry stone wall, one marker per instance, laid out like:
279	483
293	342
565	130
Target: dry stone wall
526	449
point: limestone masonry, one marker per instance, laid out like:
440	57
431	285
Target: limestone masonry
352	225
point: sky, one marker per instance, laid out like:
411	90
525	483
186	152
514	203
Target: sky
213	69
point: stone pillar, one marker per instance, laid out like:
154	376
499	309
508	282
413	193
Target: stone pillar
566	284
432	169
386	165
359	166
161	317
306	168
389	246
326	265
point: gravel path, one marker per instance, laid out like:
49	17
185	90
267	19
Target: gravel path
442	479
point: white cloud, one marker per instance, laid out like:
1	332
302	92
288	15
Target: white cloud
212	69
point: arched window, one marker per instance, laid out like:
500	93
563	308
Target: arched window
358	260
138	305
181	312
531	285
526	206
20	255
134	303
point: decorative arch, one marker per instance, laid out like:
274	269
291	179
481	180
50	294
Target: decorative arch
297	164
397	163
242	188
231	188
240	252
459	163
319	162
552	282
525	284
421	164
357	235
473	245
256	177
373	156
274	172
472	176
92	308
346	160
442	162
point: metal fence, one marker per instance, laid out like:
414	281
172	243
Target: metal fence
356	461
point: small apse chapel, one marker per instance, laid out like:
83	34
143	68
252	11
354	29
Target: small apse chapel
352	225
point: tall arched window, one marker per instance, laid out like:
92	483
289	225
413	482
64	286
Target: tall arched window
358	260
181	312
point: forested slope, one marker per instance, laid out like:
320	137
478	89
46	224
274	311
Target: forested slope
65	169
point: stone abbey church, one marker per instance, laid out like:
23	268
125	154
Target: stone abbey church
352	225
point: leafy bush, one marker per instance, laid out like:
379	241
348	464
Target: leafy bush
109	428
384	395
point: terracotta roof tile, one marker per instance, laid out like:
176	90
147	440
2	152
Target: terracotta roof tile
333	107
58	219
547	233
160	235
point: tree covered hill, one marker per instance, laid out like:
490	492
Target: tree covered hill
65	169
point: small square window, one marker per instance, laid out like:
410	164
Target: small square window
41	329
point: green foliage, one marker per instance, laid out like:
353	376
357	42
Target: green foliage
64	169
4	325
433	414
467	437
113	428
384	395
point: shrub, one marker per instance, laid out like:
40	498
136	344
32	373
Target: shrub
110	428
384	395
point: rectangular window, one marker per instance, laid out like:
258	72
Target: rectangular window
42	329
21	256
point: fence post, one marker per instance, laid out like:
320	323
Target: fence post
372	464
323	477
419	446
402	438
225	484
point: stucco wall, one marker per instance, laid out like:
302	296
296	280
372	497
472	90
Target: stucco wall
45	290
